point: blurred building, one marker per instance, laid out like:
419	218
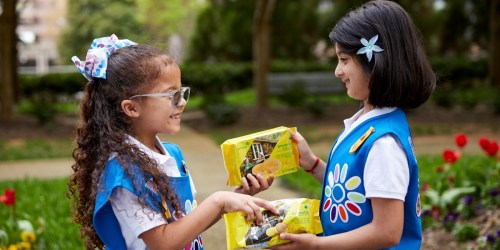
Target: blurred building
39	25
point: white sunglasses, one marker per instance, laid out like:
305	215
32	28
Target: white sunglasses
175	94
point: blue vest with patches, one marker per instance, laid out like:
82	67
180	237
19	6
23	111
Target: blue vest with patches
344	206
105	223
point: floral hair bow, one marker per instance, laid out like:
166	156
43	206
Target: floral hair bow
369	47
96	61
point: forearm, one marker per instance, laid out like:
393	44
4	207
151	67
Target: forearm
179	233
369	236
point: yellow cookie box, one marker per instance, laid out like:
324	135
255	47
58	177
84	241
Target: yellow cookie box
296	215
267	152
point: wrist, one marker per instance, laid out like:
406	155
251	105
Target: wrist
314	165
218	200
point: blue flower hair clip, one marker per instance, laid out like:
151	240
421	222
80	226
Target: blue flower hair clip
369	47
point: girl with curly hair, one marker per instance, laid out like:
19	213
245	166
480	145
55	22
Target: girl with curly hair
129	189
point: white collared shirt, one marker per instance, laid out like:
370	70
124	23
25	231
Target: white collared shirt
132	217
386	173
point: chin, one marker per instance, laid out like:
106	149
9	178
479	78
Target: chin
173	130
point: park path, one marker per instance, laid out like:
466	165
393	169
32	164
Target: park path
204	160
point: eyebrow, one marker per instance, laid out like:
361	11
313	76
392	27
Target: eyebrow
169	89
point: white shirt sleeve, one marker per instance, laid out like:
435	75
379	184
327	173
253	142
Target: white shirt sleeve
133	218
386	172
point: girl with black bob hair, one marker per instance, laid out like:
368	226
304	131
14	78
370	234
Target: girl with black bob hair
370	194
401	76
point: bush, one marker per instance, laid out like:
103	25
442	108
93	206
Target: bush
466	232
223	113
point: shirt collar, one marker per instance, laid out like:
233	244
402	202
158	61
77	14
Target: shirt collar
357	119
160	158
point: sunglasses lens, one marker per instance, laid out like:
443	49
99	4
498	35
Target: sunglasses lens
183	93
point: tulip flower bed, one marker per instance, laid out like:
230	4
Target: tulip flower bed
460	193
35	214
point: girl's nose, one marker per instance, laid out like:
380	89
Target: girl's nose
338	71
182	103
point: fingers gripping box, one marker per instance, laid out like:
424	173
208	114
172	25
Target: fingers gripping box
296	215
267	152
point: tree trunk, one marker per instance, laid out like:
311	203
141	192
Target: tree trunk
494	43
8	59
261	49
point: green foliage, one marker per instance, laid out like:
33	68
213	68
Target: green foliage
303	182
300	66
207	78
449	198
460	70
295	95
42	95
317	106
35	148
222	113
45	200
224	31
466	232
56	83
165	18
42	106
92	19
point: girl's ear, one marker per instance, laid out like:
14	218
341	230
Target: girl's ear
131	108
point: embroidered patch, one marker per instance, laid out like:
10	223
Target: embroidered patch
341	200
361	140
418	207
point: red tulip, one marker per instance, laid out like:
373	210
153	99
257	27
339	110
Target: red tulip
492	149
450	156
424	187
9	198
461	140
484	143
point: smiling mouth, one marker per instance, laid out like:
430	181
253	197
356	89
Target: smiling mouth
176	116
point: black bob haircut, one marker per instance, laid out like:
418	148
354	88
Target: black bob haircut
400	75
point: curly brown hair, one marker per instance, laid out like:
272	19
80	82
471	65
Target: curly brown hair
104	128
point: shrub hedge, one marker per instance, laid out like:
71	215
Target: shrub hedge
210	78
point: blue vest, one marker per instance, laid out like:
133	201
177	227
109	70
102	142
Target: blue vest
344	206
105	223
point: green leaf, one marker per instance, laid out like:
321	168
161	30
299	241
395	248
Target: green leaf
433	195
451	195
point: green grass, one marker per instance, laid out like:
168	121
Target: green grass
46	200
38	148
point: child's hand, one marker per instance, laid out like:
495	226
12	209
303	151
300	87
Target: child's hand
251	206
297	241
259	184
306	156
